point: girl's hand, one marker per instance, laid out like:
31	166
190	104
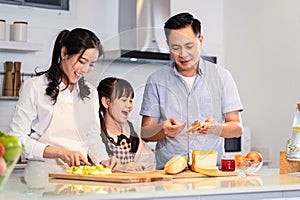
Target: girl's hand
112	162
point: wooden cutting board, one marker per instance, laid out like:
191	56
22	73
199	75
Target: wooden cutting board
191	174
114	177
134	177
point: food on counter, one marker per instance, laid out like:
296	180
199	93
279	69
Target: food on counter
254	156
227	163
241	162
13	147
249	164
176	164
204	159
10	151
2	161
2	166
209	171
196	125
89	170
2	149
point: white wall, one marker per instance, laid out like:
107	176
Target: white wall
261	40
101	16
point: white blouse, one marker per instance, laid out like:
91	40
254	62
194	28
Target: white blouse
34	111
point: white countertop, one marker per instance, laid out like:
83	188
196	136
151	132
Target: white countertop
270	184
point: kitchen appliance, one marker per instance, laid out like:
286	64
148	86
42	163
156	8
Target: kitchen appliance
241	145
293	144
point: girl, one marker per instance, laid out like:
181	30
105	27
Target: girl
118	134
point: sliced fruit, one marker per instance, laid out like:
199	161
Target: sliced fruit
211	171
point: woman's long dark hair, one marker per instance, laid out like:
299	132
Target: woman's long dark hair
114	88
76	41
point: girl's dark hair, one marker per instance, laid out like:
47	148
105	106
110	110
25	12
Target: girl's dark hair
180	21
113	88
76	41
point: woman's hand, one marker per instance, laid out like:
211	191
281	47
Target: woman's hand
71	158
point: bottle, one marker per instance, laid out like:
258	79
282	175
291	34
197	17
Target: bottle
293	144
8	79
17	78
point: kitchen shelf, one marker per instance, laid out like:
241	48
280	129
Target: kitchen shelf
9	98
19	47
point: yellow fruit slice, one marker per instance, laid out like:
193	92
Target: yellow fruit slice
211	171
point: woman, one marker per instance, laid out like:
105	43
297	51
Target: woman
118	134
55	116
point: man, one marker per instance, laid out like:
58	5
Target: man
190	89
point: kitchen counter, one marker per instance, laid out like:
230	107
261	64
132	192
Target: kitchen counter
270	184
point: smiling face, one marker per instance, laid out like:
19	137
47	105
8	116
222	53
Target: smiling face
77	65
120	109
185	48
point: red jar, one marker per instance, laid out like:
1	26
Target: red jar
228	163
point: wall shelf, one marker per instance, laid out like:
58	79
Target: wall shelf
19	47
9	98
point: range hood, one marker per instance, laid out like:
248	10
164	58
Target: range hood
141	34
141	31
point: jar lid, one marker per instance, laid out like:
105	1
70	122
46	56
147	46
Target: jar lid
20	22
2	20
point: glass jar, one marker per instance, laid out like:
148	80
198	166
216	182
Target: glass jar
19	31
2	29
227	163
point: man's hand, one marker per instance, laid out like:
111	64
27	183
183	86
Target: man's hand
172	127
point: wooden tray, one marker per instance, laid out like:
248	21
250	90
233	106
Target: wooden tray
128	177
191	174
114	177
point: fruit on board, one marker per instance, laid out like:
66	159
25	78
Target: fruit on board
2	166
254	156
210	171
176	164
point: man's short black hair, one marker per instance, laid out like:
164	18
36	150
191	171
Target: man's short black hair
180	21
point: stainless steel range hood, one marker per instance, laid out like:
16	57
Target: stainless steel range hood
141	31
